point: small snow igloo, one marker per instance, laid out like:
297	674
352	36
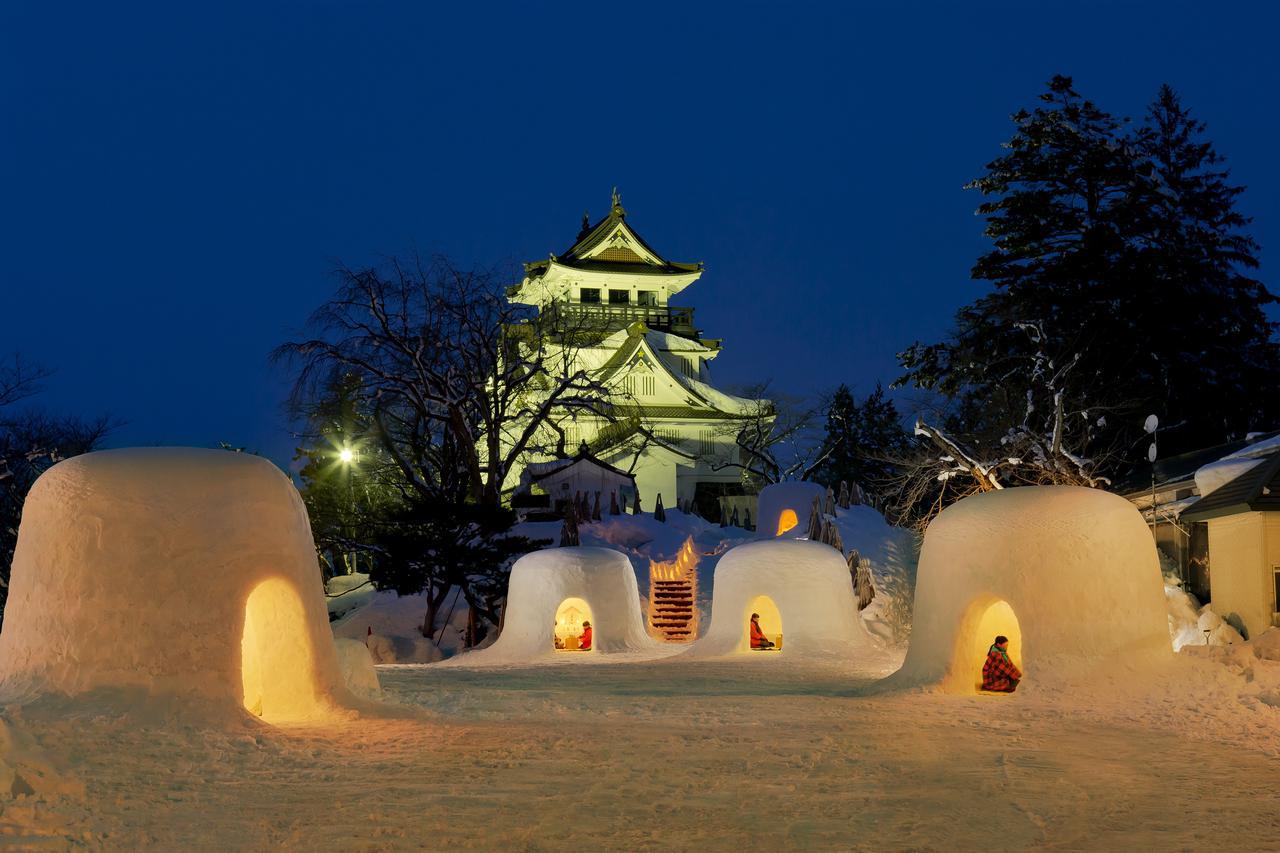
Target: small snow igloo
785	507
176	572
1069	574
804	597
553	593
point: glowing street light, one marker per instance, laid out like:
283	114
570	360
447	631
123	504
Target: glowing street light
346	455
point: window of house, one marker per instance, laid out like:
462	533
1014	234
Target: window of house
1275	573
619	297
589	295
647	298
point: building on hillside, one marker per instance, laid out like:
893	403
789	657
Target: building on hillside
561	480
666	422
1215	514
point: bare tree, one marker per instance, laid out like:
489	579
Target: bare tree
30	442
1054	443
775	437
462	384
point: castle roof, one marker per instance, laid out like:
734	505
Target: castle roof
609	246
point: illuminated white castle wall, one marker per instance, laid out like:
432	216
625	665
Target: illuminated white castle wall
615	291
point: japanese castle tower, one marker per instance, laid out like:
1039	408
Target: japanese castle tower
671	427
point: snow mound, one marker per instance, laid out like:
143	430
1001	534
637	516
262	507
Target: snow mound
802	591
1191	624
177	574
794	498
600	582
356	664
1069	574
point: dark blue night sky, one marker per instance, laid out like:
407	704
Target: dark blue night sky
178	180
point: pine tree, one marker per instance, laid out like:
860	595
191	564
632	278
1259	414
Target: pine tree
1122	247
613	504
861	439
1219	380
595	509
659	514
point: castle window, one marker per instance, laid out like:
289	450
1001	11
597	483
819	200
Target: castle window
619	297
707	440
589	295
647	298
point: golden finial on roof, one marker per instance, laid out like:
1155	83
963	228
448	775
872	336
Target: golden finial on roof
617	203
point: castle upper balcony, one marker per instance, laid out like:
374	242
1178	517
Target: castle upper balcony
603	317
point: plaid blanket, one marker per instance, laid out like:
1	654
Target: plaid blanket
999	673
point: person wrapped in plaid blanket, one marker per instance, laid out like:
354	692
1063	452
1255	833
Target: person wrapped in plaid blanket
999	675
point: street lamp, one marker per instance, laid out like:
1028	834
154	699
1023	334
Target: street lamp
346	455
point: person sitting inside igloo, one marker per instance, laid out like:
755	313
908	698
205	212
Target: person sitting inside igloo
999	674
758	639
584	642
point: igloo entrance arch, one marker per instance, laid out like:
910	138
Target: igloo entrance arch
573	617
987	618
787	519
770	622
277	663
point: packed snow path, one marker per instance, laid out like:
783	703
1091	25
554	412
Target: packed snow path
674	756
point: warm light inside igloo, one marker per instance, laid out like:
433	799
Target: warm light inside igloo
572	619
277	665
986	620
786	520
770	623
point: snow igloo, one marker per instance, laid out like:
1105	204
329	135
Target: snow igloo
802	593
785	507
1069	574
553	593
181	573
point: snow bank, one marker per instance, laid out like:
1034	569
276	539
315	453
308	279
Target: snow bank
1191	624
1069	574
802	591
541	582
793	498
177	573
356	665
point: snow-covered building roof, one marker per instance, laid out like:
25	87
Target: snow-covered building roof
601	251
580	473
1238	484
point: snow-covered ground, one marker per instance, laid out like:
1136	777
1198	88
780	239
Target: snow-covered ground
750	752
674	755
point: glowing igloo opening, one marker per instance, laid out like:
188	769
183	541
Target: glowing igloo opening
986	619
277	663
770	623
574	626
787	519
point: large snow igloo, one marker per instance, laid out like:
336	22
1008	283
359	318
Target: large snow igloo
178	572
1069	574
802	592
785	507
550	595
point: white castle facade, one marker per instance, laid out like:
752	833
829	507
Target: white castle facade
666	423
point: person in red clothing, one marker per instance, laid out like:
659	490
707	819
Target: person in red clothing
758	639
999	675
584	642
